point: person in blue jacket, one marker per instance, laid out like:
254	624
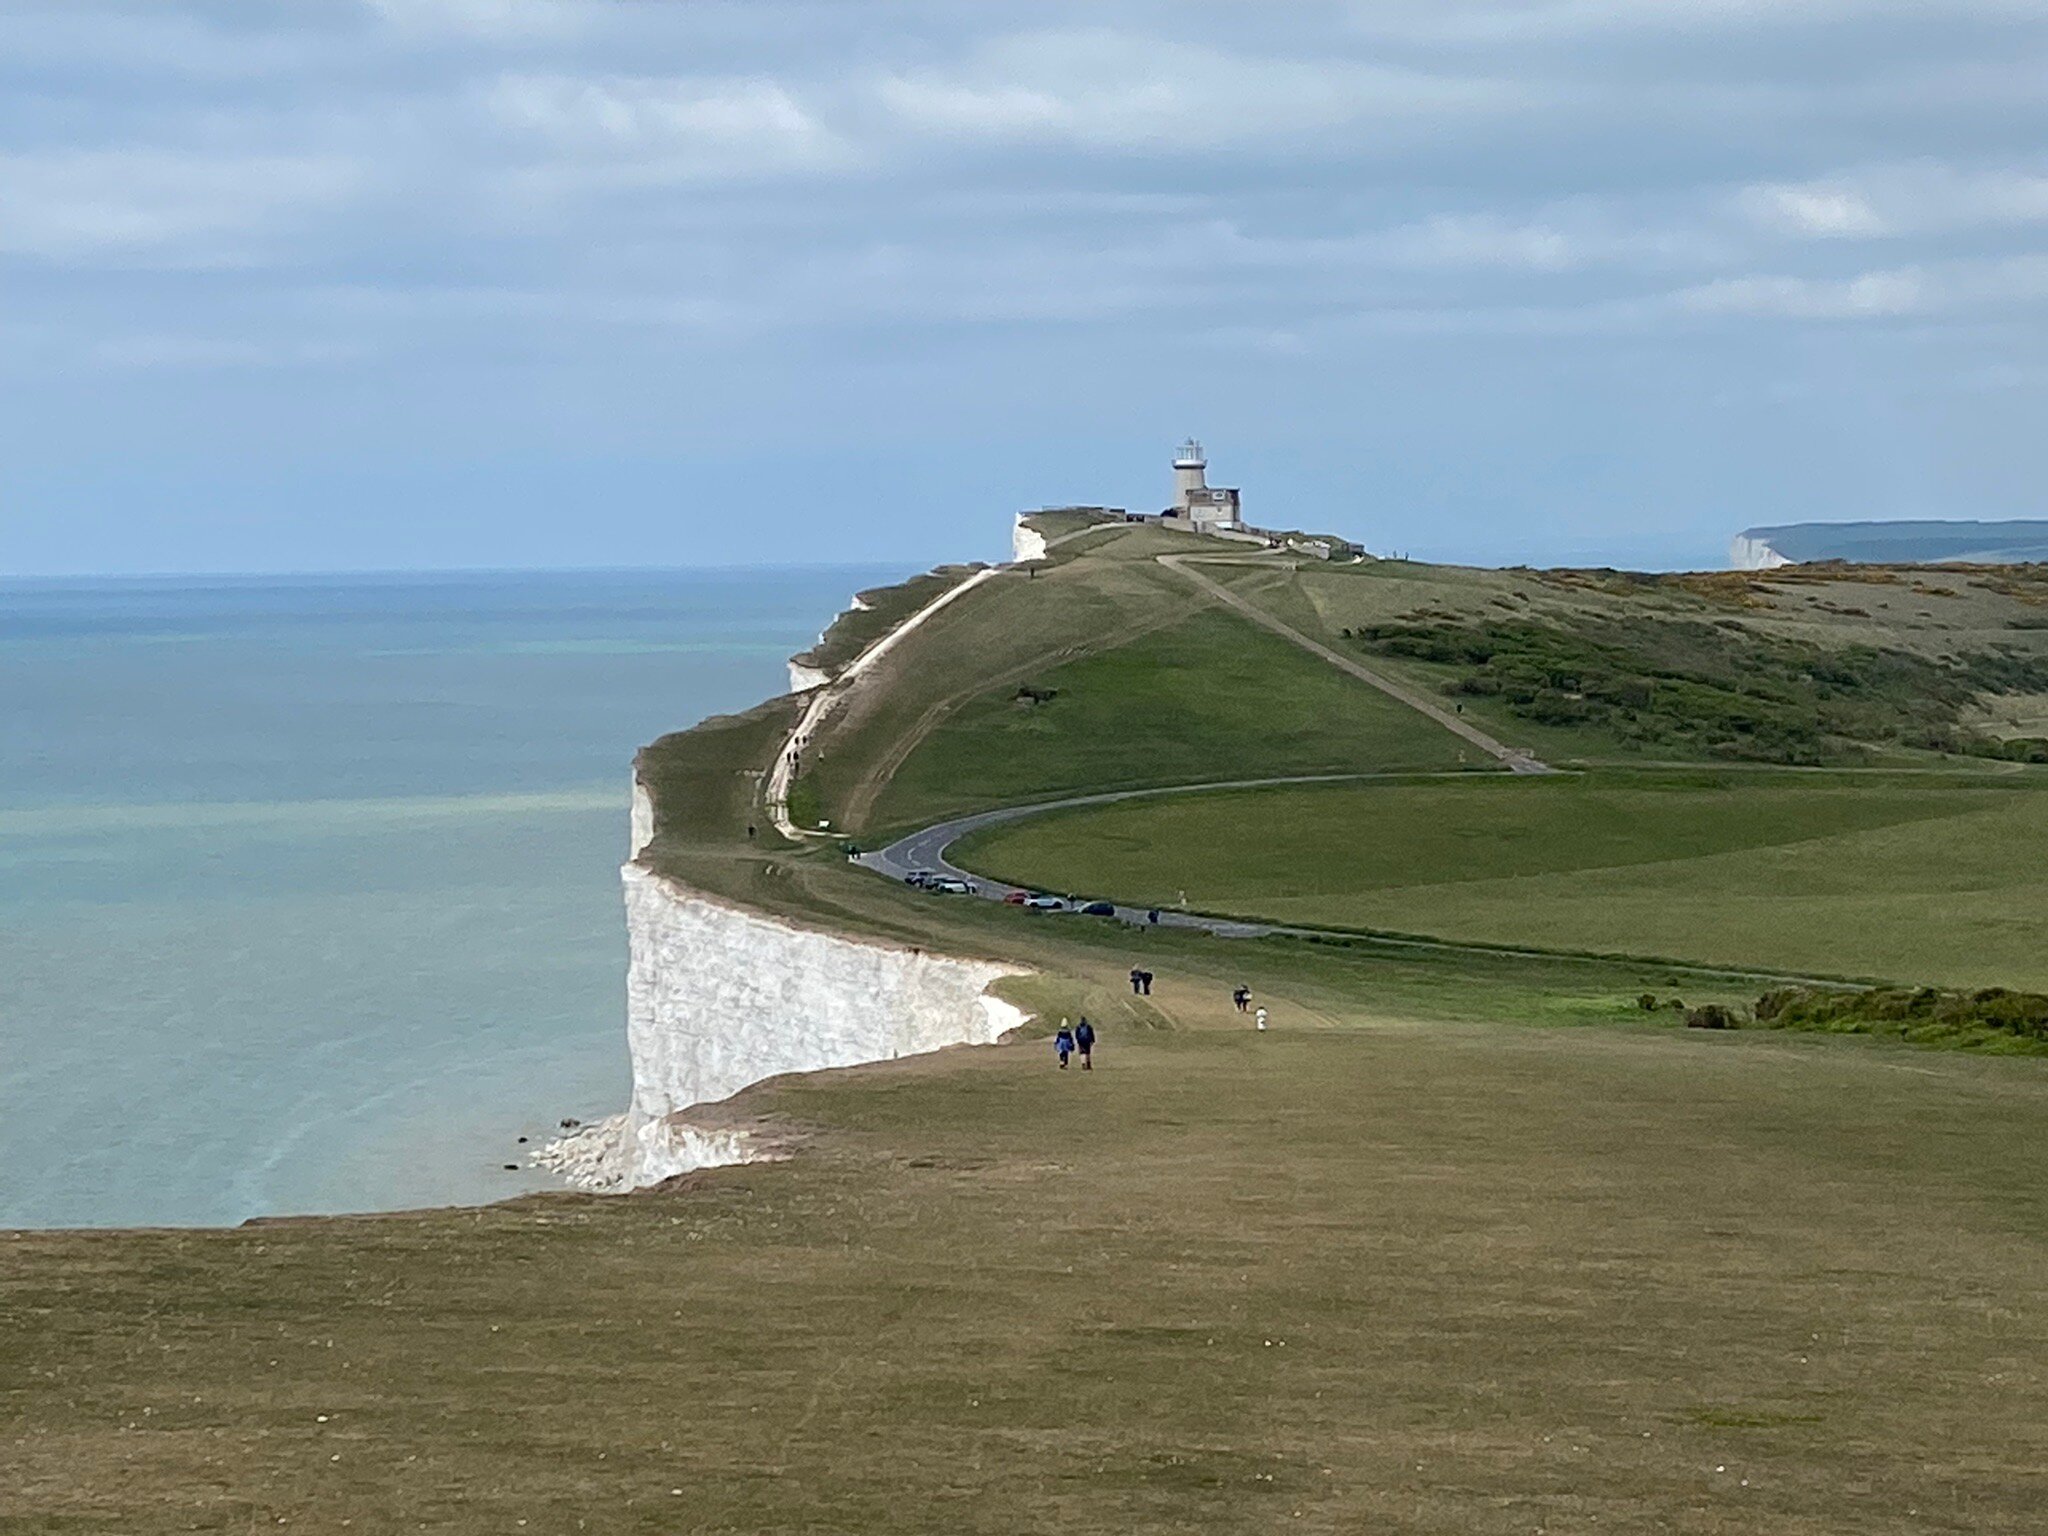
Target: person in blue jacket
1063	1044
1084	1042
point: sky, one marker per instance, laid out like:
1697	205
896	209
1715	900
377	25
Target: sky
328	285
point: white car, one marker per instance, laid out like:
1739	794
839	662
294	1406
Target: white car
950	885
1045	904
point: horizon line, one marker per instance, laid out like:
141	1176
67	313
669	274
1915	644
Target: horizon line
428	571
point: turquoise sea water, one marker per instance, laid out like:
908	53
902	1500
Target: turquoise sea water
308	888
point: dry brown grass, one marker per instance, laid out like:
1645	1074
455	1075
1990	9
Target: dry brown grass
1397	1279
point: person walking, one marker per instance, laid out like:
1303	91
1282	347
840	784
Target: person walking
1145	982
1262	1021
1084	1042
1152	917
1063	1044
1137	981
1242	997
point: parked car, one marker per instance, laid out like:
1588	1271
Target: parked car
1016	898
950	885
1045	904
921	877
1099	909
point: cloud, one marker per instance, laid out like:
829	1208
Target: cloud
1926	289
156	206
1914	198
1481	240
1868	295
1105	89
635	131
1818	210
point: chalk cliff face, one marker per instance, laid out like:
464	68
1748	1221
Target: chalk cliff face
1026	543
1754	554
718	997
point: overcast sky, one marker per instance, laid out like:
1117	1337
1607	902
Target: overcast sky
372	284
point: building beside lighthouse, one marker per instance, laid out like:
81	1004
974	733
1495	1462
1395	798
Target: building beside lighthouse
1197	504
1198	507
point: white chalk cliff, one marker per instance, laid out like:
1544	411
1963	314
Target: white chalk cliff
719	997
1749	554
1026	543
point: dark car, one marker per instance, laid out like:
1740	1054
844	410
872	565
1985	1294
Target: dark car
1098	909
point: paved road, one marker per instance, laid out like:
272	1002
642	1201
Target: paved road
927	849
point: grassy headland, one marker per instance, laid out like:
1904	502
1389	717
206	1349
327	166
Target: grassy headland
1471	1241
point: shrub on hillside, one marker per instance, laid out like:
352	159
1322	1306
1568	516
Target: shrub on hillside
1921	1013
1726	693
1712	1016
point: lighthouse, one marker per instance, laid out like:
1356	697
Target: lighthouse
1204	507
1190	473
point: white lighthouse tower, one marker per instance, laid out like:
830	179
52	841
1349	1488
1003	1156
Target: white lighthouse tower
1205	507
1190	473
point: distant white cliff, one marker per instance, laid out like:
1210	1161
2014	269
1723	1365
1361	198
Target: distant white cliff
1750	553
803	677
719	997
1026	543
1904	542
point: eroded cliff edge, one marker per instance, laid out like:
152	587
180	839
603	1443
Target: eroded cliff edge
720	996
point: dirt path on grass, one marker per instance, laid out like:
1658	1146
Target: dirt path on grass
828	697
1515	759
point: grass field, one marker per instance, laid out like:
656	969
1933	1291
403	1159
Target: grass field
1916	878
1815	664
1389	1279
1210	697
1468	1243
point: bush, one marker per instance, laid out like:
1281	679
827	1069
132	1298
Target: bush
1647	1002
1921	1013
1685	684
1712	1016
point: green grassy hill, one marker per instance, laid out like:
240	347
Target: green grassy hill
1470	1241
1806	665
1910	877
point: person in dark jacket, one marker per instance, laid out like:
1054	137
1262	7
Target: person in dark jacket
1063	1044
1242	997
1084	1042
1137	981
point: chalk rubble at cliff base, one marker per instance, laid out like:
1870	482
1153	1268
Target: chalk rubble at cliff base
599	1158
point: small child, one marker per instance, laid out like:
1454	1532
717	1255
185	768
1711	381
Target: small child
1262	1019
1063	1044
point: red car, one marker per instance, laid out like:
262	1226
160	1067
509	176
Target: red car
1016	898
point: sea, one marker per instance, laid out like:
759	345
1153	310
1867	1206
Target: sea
309	891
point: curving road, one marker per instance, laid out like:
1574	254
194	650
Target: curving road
926	849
